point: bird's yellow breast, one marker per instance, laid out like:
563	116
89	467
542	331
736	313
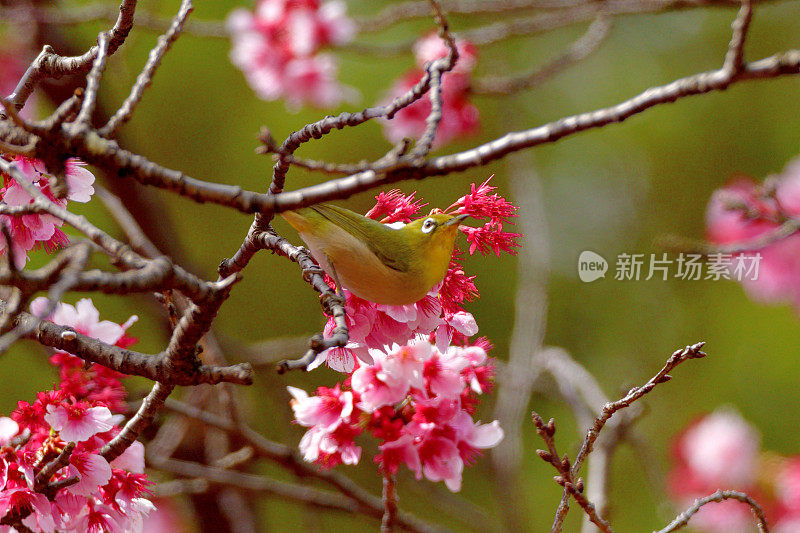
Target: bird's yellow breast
360	270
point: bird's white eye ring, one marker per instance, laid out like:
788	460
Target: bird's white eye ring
428	225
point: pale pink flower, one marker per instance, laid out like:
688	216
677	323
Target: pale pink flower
8	430
442	379
400	451
92	470
22	497
312	80
99	517
433	47
84	318
480	436
276	47
378	386
721	449
325	411
27	231
787	524
76	423
315	442
132	459
787	485
441	461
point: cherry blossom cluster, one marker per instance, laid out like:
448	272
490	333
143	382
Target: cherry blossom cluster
277	47
415	377
40	229
415	400
722	451
79	412
440	314
459	115
743	211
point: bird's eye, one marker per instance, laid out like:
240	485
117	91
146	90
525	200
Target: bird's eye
428	225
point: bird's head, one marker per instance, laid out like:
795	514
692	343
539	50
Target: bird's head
435	237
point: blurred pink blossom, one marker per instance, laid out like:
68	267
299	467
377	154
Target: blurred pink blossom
743	211
277	45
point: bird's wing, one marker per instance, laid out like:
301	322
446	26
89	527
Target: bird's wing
386	243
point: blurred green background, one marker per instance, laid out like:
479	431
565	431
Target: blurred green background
612	190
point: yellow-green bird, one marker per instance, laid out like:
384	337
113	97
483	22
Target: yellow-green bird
386	264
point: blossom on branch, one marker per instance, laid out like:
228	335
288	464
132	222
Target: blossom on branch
40	229
721	451
459	116
414	375
277	45
440	315
743	211
77	412
417	401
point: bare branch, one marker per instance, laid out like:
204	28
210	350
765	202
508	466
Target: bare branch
682	519
679	356
138	423
389	519
735	55
145	77
50	65
93	80
578	51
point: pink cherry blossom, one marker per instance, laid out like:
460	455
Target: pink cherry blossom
327	410
441	379
91	469
441	460
8	430
378	387
433	47
25	498
721	449
743	211
459	116
29	231
76	423
787	485
85	319
132	459
276	47
400	451
106	497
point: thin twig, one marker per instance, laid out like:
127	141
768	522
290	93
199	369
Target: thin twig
145	77
138	423
578	51
682	519
93	80
679	356
389	519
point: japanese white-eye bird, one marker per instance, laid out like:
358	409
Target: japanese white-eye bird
387	264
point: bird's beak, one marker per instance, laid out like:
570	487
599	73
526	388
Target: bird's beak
455	220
